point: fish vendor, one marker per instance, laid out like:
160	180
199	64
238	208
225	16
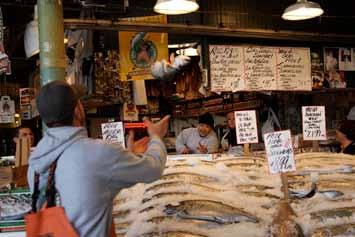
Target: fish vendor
199	140
345	135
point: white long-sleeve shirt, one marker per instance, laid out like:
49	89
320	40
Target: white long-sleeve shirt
191	139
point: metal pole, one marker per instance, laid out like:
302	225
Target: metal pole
51	40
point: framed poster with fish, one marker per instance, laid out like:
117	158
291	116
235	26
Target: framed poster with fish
139	50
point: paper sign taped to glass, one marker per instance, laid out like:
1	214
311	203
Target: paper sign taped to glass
139	50
7	110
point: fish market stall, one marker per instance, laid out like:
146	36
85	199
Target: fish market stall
238	197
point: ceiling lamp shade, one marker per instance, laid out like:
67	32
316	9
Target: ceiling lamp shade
31	37
175	7
302	10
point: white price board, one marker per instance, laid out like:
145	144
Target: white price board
279	152
258	68
246	127
313	122
113	133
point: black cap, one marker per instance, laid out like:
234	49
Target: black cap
347	127
56	103
206	119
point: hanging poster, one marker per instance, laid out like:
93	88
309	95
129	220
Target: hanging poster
113	133
7	110
5	65
246	128
257	68
339	59
139	50
314	127
279	152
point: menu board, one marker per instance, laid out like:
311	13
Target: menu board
294	69
113	133
260	68
225	68
255	68
314	123
246	128
279	152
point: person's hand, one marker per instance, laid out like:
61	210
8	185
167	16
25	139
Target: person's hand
186	150
158	129
203	149
139	146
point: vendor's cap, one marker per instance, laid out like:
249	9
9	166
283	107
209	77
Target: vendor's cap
56	103
206	119
347	127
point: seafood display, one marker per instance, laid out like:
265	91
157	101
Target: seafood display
13	206
238	197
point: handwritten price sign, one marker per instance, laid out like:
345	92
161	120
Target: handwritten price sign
279	152
246	128
314	123
113	133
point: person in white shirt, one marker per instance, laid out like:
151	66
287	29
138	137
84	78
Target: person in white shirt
229	139
200	140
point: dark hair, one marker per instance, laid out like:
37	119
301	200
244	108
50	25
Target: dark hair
347	127
56	103
206	119
17	133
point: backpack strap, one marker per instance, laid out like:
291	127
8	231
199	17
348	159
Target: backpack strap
51	191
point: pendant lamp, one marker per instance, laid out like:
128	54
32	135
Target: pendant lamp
175	7
302	10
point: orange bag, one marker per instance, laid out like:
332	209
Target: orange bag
51	220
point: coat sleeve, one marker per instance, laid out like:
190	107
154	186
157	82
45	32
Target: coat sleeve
180	142
128	168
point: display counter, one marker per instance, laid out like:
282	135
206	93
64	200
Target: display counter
238	197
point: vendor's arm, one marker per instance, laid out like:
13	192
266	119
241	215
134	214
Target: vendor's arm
180	144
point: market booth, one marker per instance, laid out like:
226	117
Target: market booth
286	81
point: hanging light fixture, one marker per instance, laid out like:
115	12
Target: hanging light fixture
302	10
175	7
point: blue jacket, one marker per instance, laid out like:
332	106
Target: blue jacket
90	173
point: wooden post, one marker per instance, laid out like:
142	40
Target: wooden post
285	186
315	145
247	149
19	172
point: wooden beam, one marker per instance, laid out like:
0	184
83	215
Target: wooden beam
207	30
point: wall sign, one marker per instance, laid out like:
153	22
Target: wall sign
7	110
246	127
255	68
139	50
113	133
314	127
279	152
